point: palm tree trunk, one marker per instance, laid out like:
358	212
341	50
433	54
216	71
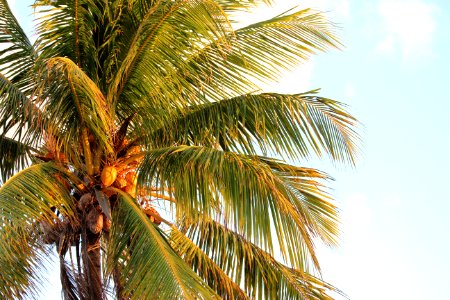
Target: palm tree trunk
92	263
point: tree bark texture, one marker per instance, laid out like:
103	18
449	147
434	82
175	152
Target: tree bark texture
92	262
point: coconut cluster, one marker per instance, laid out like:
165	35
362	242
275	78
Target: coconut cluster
125	179
112	171
96	220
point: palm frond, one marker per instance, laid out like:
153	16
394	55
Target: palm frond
20	117
148	253
114	32
17	55
311	198
282	42
276	44
152	57
68	281
292	125
65	29
14	156
248	193
75	102
216	278
261	275
29	198
21	263
240	5
34	193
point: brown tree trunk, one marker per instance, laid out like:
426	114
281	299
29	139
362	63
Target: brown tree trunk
92	263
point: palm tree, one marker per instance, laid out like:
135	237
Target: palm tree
135	145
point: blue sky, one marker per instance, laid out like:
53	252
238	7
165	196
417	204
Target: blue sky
395	204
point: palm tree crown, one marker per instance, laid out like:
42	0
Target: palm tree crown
134	144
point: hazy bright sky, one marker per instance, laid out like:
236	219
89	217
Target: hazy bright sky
395	204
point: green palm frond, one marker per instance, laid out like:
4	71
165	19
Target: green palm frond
20	117
147	252
216	278
151	57
21	263
75	100
32	193
261	275
14	156
250	194
141	7
65	30
27	199
114	33
281	42
310	197
276	44
17	54
292	125
240	5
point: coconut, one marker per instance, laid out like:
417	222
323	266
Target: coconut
120	182
131	178
85	201
106	224
94	221
49	232
131	189
134	150
109	175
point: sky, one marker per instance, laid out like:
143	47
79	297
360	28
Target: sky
392	72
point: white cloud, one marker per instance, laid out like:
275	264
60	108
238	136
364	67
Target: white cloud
408	27
350	91
392	201
386	46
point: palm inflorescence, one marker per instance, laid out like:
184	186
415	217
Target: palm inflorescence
135	145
